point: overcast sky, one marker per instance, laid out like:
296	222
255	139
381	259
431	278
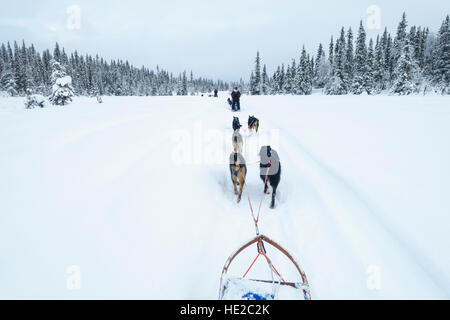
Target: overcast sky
216	39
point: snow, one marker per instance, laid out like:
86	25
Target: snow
34	100
39	98
136	193
63	81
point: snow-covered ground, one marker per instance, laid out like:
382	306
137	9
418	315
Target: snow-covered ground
136	194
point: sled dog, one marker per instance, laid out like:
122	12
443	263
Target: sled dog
238	172
237	138
253	124
238	143
270	171
236	124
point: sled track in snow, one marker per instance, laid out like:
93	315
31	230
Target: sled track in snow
329	184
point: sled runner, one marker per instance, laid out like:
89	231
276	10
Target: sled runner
258	289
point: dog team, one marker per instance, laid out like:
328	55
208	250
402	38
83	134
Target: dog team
270	166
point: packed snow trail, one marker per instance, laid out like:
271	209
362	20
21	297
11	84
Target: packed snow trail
137	193
335	205
361	235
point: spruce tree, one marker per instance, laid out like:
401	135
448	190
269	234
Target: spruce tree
57	53
255	85
304	77
337	84
399	39
184	90
348	65
378	67
7	82
19	70
331	55
62	85
442	57
359	80
252	83
321	69
265	81
287	85
389	61
406	72
281	79
369	79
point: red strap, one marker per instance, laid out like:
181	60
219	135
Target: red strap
268	261
251	265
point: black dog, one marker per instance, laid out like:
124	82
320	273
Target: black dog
230	102
270	171
236	124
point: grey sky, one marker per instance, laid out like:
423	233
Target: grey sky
216	39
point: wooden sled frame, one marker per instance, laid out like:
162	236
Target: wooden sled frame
304	285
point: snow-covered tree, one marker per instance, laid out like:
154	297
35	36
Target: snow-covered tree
19	68
265	86
303	80
348	63
255	85
34	100
360	68
441	72
62	91
386	43
331	56
378	67
406	72
7	83
252	83
369	79
182	85
337	83
321	69
399	40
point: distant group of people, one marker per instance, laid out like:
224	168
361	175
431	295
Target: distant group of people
235	101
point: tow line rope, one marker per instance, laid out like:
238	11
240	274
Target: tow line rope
256	220
261	249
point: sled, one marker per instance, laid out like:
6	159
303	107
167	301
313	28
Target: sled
258	289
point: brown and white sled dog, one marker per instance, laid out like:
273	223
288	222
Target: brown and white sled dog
253	124
238	143
238	171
